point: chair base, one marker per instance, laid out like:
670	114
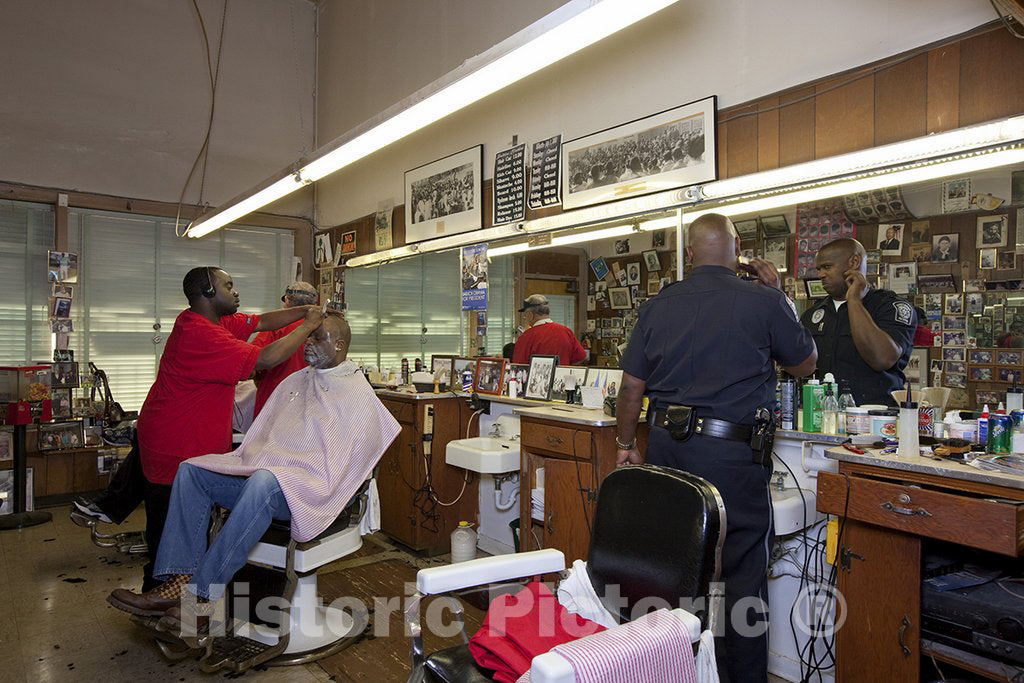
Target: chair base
126	542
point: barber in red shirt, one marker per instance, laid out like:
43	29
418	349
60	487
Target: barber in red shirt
545	337
295	294
188	409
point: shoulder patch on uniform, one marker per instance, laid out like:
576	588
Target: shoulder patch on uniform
817	316
904	312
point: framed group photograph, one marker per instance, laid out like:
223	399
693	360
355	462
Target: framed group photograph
490	376
445	197
936	283
986	259
980	357
667	150
64	375
540	377
1009	357
55	436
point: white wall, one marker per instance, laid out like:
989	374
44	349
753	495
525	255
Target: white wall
112	96
737	50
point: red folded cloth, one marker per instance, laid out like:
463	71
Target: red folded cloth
519	627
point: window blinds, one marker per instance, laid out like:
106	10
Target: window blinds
26	234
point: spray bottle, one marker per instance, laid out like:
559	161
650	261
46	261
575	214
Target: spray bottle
908	428
983	426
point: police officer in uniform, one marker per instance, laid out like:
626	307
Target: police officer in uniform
864	335
703	350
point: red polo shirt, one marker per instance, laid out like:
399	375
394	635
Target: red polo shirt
267	380
549	339
188	409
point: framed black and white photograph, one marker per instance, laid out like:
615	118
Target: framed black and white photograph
991	231
954	304
774	226
915	367
620	299
987	259
56	436
746	229
566	379
956	195
776	252
442	368
520	372
540	377
633	273
667	150
903	277
890	238
490	376
64	375
945	248
932	284
621	247
954	381
652	261
444	197
956	368
935	365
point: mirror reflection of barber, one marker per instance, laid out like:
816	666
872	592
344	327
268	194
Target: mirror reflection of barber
864	335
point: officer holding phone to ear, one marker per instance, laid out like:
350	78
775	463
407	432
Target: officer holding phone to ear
864	335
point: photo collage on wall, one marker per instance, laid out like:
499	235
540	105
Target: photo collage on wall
816	225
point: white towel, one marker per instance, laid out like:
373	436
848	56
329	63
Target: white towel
576	594
371	519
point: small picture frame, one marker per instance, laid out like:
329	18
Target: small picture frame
815	290
987	259
540	377
955	368
954	322
633	273
61	404
620	299
776	251
954	304
1009	357
747	229
992	231
63	356
954	339
980	374
1008	374
774	226
490	376
64	376
980	357
56	436
521	372
608	380
954	381
566	378
459	366
652	261
954	353
442	368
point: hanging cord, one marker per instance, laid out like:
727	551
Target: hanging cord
465	479
204	150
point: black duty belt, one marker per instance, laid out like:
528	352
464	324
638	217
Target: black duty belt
709	426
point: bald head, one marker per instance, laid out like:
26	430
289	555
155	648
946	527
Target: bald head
835	259
338	329
327	346
299	294
712	241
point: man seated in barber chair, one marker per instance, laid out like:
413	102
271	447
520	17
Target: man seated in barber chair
307	453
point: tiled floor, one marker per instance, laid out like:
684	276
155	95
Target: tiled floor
56	625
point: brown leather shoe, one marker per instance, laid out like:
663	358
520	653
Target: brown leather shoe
152	603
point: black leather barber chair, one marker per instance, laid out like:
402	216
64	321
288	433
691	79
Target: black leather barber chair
657	533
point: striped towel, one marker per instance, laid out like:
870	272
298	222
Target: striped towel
655	648
320	433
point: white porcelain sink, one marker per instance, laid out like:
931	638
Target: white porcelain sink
483	454
793	514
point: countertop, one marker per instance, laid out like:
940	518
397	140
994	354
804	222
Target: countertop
927	465
415	396
594	417
810	436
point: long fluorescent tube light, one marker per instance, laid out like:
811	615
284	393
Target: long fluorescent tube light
573	238
570	28
908	176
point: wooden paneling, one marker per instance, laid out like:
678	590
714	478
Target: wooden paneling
843	116
901	101
721	147
59	474
567	512
742	150
991	77
943	88
796	127
768	134
549	262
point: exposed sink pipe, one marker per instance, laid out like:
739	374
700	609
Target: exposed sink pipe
513	498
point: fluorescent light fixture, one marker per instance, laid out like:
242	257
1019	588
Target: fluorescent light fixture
907	176
247	204
570	28
568	239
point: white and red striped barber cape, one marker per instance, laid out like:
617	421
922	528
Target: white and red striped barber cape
320	433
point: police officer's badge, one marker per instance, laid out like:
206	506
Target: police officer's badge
904	312
817	316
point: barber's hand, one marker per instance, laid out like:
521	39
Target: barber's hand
314	316
765	272
628	457
856	284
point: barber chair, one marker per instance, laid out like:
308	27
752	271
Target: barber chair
126	542
657	533
300	630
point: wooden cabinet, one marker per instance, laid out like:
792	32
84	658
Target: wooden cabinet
575	459
413	478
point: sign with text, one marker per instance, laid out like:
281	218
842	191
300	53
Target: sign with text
545	172
474	277
510	185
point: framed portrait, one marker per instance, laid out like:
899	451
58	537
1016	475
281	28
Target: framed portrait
935	365
620	299
890	238
776	251
633	273
980	357
991	231
815	290
62	266
980	374
954	304
1009	357
945	248
64	375
986	259
609	380
954	353
667	150
323	254
442	368
490	376
540	377
521	372
56	436
658	239
566	378
61	404
652	261
445	197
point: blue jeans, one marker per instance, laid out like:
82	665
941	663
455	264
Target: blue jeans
254	501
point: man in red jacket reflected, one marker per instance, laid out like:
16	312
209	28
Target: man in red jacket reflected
545	337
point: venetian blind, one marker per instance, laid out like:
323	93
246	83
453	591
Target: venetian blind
501	307
26	234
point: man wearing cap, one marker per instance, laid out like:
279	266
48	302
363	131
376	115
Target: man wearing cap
545	337
295	294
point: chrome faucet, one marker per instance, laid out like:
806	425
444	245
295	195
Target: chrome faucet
779	479
495	430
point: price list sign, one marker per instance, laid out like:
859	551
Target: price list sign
545	187
510	185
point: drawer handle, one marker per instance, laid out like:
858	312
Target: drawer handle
548	525
903	632
554	439
909	512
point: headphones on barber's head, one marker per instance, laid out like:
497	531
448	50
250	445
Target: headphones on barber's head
209	292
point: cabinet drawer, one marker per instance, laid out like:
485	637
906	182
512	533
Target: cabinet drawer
403	412
975	522
562	440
